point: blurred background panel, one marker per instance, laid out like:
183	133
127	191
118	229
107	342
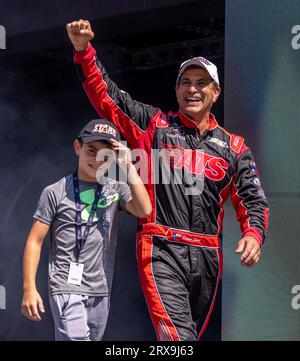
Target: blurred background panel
262	93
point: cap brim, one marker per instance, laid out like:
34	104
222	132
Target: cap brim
94	138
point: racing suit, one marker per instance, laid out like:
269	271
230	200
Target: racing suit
178	246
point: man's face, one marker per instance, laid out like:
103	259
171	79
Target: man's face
196	92
87	153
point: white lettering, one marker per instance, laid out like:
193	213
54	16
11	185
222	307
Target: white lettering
122	351
2	298
2	37
296	38
296	299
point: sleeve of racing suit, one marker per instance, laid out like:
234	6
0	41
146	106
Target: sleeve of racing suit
129	116
248	197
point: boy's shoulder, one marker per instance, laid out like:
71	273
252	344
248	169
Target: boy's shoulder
59	187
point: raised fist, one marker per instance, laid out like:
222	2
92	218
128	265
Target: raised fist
80	34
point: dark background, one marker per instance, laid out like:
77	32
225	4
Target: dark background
43	107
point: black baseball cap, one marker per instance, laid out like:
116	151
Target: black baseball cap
99	129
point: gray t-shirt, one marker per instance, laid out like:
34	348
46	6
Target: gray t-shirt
57	208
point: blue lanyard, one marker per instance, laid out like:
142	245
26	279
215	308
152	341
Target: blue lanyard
80	240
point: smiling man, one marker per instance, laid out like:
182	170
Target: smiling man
197	89
178	250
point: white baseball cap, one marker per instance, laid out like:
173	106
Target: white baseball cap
203	63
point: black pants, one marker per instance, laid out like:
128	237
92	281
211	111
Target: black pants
180	283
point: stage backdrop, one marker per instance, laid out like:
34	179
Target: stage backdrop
262	77
42	109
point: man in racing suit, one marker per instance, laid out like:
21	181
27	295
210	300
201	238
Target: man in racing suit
178	245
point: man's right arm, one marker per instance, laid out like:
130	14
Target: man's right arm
32	302
129	116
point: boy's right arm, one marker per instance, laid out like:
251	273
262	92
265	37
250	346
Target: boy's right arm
32	302
130	117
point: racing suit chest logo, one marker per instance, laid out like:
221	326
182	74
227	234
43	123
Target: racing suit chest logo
194	161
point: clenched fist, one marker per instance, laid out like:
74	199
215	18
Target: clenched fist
80	34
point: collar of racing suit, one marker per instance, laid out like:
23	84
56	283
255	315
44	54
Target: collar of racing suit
188	122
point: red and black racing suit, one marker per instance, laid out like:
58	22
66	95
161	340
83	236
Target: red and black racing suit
178	245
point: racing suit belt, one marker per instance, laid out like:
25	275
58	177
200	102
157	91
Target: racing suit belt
180	236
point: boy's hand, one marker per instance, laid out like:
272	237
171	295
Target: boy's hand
123	154
32	303
80	34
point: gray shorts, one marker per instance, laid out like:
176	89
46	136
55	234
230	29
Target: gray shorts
78	317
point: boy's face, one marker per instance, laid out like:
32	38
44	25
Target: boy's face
87	165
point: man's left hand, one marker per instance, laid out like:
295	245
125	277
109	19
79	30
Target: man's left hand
250	249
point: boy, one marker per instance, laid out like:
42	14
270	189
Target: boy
82	217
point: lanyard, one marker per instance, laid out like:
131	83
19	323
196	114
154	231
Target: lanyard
81	239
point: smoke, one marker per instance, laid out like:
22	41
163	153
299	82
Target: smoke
42	109
34	151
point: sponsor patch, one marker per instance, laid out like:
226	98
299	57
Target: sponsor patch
194	161
219	142
162	122
256	181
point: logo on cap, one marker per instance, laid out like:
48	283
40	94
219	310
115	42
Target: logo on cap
104	128
205	61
